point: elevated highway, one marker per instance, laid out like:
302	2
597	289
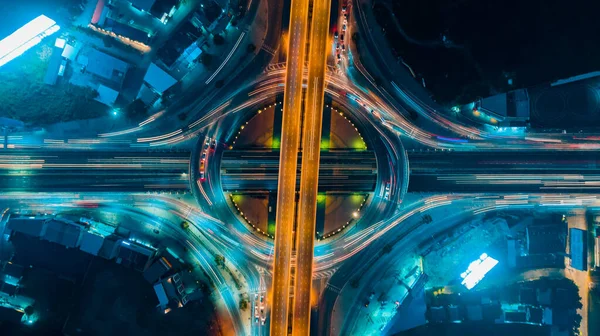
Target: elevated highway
338	171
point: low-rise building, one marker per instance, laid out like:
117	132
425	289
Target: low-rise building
30	225
578	248
156	82
106	68
135	255
158	269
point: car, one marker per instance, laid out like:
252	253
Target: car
335	34
256	319
337	46
345	16
206	144
342	37
262	298
255	297
344	28
202	175
387	186
343	47
339	57
203	155
213	144
262	321
345	22
344	8
256	311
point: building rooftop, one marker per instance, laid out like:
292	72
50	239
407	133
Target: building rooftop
125	30
157	270
106	95
62	233
32	226
91	242
158	79
546	238
135	255
144	5
106	66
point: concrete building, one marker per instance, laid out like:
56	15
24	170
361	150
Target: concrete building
509	109
29	225
171	293
91	242
54	65
105	67
63	232
158	269
156	82
578	248
135	255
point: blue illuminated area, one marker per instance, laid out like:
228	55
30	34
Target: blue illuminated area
477	270
26	37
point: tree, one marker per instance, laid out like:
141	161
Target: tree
355	37
108	41
218	39
387	248
206	59
354	283
29	310
426	219
219	84
136	109
220	260
185	225
251	48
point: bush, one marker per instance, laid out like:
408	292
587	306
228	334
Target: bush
219	84
251	48
218	40
206	59
136	109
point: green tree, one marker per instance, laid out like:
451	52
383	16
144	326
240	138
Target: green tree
206	59
136	109
185	225
251	48
218	39
219	84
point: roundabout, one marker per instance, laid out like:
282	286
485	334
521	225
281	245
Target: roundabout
235	173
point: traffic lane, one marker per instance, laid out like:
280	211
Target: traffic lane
497	160
85	156
156	181
251	182
290	140
513	182
310	167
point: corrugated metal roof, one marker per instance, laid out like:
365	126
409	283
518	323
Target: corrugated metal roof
158	79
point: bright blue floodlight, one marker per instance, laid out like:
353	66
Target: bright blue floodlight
26	37
477	270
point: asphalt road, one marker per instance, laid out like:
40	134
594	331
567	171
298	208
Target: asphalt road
93	171
309	178
512	171
338	170
290	141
